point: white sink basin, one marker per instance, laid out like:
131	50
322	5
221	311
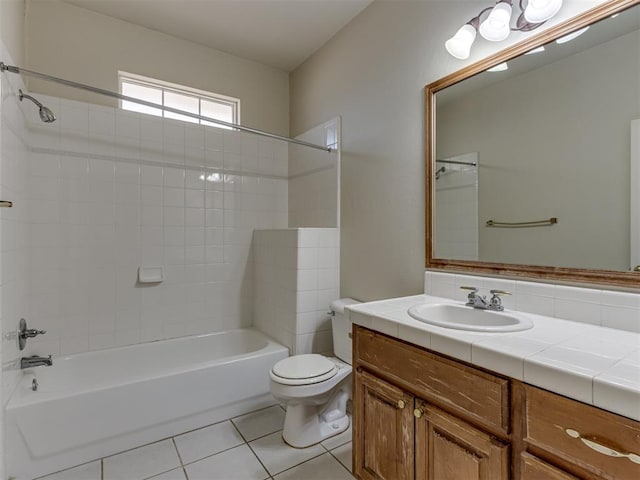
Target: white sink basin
461	317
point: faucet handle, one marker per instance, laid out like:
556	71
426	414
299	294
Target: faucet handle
473	289
497	293
496	303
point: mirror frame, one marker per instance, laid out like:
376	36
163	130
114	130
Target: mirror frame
572	275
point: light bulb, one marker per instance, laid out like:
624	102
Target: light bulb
496	27
539	11
571	36
460	44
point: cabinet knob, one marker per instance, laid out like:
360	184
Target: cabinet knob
401	404
418	412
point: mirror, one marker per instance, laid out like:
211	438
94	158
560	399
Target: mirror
529	168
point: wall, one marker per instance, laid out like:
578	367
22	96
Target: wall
13	228
77	44
314	196
110	191
296	279
564	140
372	74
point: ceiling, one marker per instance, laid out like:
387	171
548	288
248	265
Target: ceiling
279	33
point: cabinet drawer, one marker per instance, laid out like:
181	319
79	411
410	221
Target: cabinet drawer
535	469
582	435
449	384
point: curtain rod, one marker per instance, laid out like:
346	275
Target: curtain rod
108	93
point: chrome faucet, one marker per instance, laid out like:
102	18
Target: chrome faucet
479	301
35	361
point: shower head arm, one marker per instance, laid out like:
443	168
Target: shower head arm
22	95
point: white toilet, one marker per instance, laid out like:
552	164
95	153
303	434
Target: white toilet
316	388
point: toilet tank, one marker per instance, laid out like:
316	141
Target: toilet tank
341	328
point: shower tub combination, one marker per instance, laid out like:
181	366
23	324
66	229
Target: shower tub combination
95	404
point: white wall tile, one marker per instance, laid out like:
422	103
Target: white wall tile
105	215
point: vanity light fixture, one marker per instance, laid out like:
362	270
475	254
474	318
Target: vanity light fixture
539	11
497	25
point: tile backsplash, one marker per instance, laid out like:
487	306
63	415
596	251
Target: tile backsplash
607	308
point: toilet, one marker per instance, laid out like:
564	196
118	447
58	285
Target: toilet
316	388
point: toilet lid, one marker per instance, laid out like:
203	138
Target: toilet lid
308	366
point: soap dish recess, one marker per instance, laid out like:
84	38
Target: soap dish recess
150	274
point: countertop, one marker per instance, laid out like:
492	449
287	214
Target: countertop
595	365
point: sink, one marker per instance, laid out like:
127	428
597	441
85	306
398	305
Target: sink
461	317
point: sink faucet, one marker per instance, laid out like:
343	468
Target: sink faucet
35	361
479	301
474	300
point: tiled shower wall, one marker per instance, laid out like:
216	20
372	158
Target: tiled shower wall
14	229
297	276
110	191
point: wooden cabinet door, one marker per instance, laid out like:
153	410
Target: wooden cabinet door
383	430
448	448
534	468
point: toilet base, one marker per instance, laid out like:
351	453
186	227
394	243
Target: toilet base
306	425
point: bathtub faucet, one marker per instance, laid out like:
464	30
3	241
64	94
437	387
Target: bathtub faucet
35	361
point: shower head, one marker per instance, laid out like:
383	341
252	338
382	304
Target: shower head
439	171
46	115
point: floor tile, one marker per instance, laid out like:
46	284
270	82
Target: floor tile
258	424
142	462
239	463
340	439
176	474
207	441
277	456
324	467
344	455
88	471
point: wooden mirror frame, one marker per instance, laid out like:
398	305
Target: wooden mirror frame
573	275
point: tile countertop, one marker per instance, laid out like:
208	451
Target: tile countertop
595	365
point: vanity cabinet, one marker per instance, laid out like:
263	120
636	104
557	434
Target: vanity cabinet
419	415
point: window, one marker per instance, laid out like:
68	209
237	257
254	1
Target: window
179	97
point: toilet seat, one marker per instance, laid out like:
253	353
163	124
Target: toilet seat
303	370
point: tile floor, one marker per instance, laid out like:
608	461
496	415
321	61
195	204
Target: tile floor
249	447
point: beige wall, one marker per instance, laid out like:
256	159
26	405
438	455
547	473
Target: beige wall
87	47
372	73
559	159
12	29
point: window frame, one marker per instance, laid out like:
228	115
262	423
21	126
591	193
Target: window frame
164	87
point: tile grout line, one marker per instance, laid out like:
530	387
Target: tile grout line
341	464
260	461
302	463
184	470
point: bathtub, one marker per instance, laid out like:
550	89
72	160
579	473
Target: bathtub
95	404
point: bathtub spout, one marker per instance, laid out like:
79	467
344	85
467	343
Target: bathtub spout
35	361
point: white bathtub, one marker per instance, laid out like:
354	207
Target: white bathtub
95	404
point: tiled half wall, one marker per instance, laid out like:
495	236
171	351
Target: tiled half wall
296	277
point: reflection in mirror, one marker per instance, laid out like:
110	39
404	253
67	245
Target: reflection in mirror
549	137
